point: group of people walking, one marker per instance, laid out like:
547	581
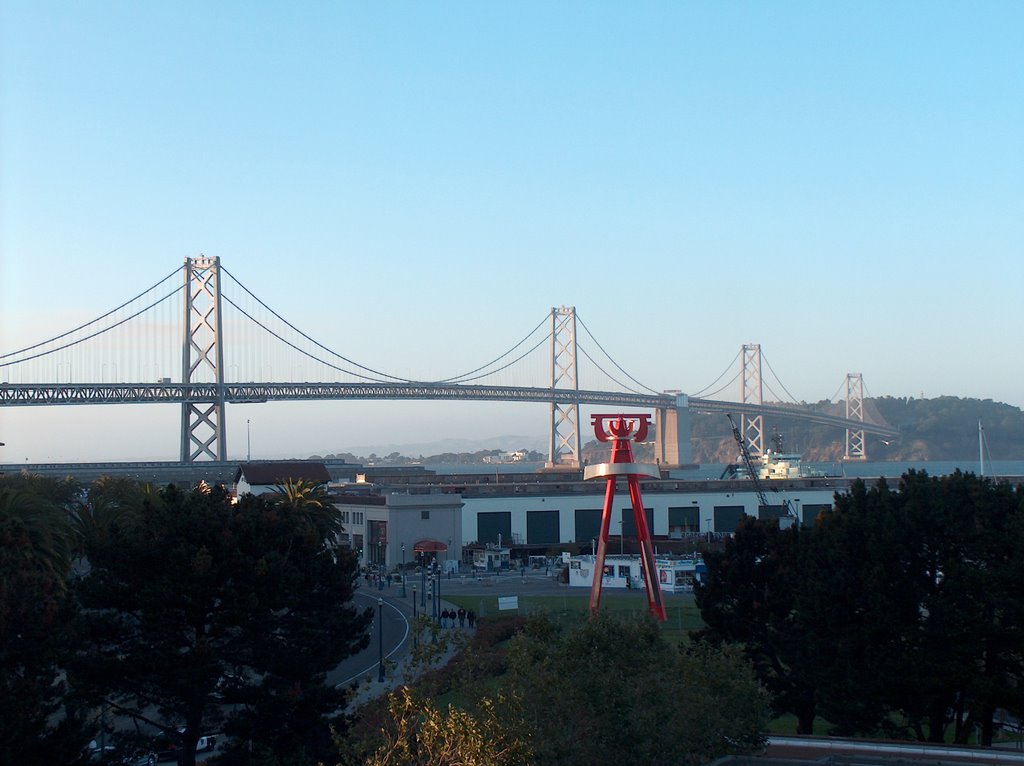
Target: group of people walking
449	616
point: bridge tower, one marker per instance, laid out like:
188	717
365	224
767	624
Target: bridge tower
203	435
752	428
564	448
672	430
855	411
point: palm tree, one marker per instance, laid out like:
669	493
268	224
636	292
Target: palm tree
35	535
37	627
112	503
311	501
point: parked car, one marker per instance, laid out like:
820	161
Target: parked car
140	758
97	753
109	754
170	747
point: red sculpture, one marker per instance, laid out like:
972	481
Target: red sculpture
621	430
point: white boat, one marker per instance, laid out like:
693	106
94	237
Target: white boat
773	465
780	465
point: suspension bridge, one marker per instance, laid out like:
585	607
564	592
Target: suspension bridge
231	348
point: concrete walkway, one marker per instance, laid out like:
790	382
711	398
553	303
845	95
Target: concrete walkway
399	667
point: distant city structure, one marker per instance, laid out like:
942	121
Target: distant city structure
506	457
498	521
543	513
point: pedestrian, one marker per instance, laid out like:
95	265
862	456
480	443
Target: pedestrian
444	618
471	617
462	617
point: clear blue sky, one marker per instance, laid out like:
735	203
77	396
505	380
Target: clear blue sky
417	184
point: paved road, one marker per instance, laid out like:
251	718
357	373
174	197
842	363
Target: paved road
391	612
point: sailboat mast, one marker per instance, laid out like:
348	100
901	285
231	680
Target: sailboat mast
981	449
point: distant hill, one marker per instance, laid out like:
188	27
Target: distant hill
945	428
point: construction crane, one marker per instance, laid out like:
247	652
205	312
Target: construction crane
749	463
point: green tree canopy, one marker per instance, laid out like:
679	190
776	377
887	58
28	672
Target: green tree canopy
901	611
36	623
614	690
202	600
931	586
747	597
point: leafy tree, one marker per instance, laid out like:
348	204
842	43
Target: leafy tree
417	733
999	682
898	604
36	625
60	493
616	690
110	503
202	600
933	599
854	608
747	597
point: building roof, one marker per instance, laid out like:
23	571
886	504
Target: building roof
267	473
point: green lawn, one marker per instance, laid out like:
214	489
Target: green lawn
786	726
572	606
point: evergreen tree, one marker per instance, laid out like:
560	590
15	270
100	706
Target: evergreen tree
36	624
748	597
926	575
201	600
907	605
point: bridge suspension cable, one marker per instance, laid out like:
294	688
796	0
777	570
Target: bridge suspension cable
617	365
92	322
721	388
384	379
373	375
383	376
73	343
841	385
611	377
704	391
779	380
466	376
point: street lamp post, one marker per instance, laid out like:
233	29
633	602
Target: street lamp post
415	628
403	570
423	587
380	638
434	616
433	592
436	600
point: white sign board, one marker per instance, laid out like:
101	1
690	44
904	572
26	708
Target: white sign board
508	602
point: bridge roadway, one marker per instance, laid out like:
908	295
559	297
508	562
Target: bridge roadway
42	394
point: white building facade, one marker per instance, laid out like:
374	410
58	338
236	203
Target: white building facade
392	528
574	515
